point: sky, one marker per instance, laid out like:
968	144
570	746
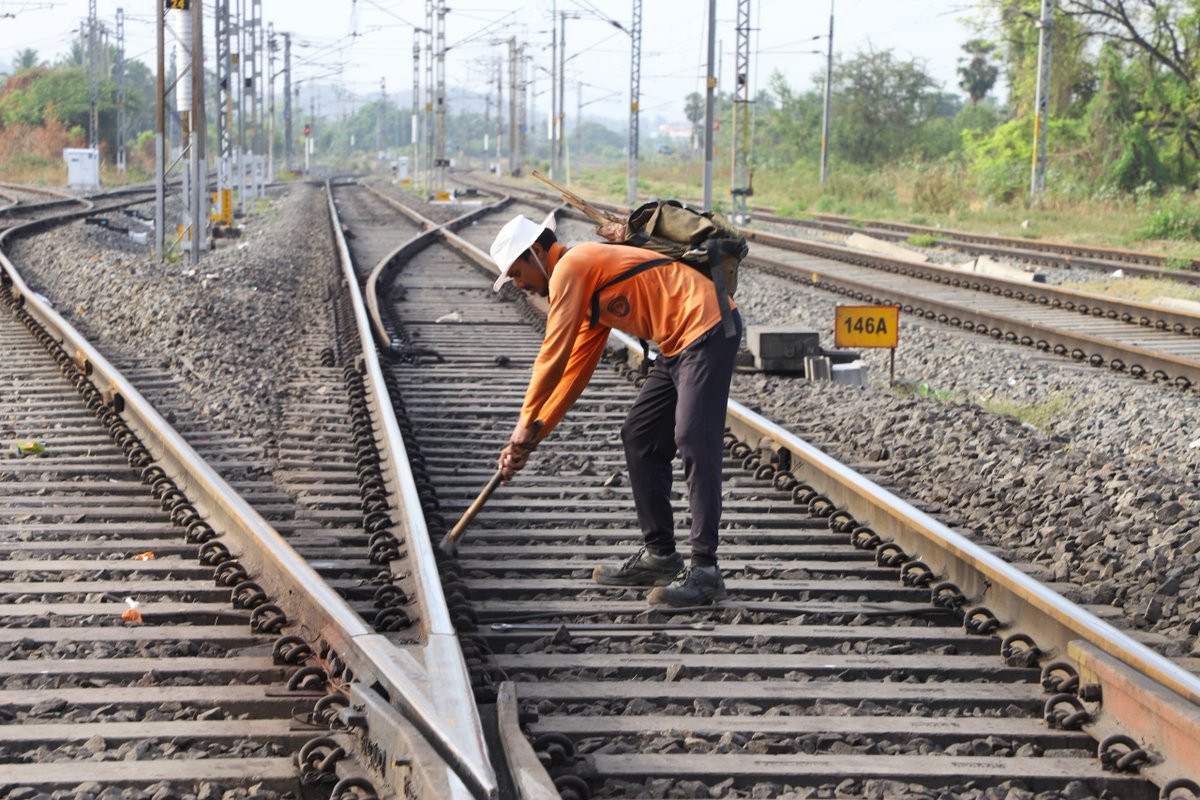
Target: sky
359	43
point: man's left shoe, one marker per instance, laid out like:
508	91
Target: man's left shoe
695	586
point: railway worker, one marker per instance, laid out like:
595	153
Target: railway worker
680	406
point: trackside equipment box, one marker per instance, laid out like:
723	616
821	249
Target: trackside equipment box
83	167
782	348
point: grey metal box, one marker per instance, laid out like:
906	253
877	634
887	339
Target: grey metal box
778	348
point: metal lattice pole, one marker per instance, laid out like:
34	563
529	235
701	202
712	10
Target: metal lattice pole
224	67
414	167
442	161
710	85
561	129
255	83
512	107
522	109
271	45
160	139
740	186
93	73
1038	179
382	114
198	136
430	146
120	76
828	95
552	128
635	94
287	100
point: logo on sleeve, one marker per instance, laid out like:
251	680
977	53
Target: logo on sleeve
618	306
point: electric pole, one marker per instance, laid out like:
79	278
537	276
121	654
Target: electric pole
1046	24
710	85
160	141
552	128
740	189
828	94
562	84
198	222
442	161
271	45
635	92
430	146
414	166
287	99
224	65
382	113
93	71
513	166
121	90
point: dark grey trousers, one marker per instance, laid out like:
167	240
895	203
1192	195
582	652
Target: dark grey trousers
682	407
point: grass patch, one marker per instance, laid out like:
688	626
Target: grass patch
1172	221
925	193
923	389
920	240
1040	414
1143	290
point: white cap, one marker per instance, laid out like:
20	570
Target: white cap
517	236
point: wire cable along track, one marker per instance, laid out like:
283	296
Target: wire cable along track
864	649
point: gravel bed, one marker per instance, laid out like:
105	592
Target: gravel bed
1105	495
267	288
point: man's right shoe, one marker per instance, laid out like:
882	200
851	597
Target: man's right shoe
643	568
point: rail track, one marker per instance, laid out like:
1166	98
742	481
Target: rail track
866	649
1033	251
306	655
1139	339
860	651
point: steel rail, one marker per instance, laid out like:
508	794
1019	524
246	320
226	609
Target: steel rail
382	271
416	688
1023	605
1131	311
953	236
1184	371
435	692
1095	350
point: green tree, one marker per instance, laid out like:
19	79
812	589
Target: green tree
1160	39
879	104
977	74
1072	75
789	124
26	59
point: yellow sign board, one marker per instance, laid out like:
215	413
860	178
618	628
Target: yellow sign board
222	206
867	326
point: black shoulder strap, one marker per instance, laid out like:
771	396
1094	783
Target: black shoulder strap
718	278
636	269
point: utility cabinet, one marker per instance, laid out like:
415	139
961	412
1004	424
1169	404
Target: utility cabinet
83	167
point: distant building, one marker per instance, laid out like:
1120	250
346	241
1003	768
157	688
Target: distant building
678	133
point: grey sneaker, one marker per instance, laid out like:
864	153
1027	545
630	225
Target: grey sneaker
643	568
695	586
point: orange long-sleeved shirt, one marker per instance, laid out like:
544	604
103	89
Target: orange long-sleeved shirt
672	305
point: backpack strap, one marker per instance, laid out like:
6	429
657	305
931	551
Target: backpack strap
715	246
636	269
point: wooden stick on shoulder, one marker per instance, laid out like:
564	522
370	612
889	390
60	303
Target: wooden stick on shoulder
594	214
